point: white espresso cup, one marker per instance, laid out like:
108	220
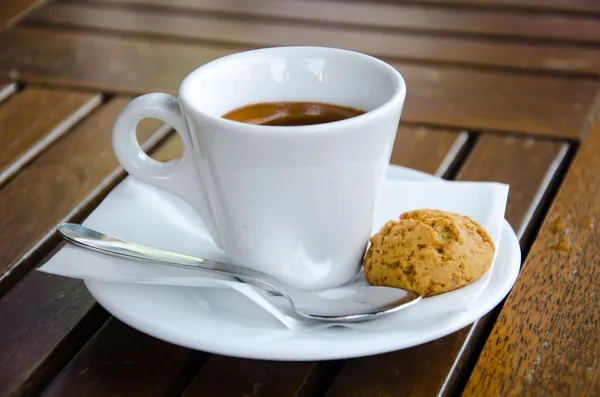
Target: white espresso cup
295	202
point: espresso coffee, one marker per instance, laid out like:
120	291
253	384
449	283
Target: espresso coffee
291	113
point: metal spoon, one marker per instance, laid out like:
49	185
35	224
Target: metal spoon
352	303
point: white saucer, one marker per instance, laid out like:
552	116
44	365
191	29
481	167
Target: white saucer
222	321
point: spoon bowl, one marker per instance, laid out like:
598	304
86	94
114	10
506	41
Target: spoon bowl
351	303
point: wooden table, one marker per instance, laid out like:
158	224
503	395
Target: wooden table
498	90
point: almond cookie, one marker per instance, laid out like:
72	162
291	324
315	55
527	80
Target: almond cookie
429	252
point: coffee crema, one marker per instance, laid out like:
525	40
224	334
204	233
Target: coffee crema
291	113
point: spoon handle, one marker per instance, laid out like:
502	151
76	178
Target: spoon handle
91	239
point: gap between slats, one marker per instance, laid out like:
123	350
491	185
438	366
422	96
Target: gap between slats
13	271
471	340
420	142
537	105
7	91
76	213
562	7
373	16
546	333
441	49
324	381
526	232
12	11
48	139
35	365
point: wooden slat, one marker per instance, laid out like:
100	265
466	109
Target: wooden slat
489	101
225	376
56	183
440	147
45	321
432	147
110	64
6	90
461	98
14	10
426	370
418	148
120	361
546	340
33	119
397	16
583	6
37	338
491	53
527	164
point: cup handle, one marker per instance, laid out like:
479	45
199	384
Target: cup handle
174	177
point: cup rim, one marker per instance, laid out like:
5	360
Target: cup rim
398	96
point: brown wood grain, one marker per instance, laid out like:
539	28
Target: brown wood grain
6	90
426	150
120	361
583	6
491	53
13	11
477	100
226	376
170	150
109	64
424	370
45	319
33	119
526	164
545	342
418	148
55	184
400	16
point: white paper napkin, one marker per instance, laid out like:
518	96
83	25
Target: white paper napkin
143	214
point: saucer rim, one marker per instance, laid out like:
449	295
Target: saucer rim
257	352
